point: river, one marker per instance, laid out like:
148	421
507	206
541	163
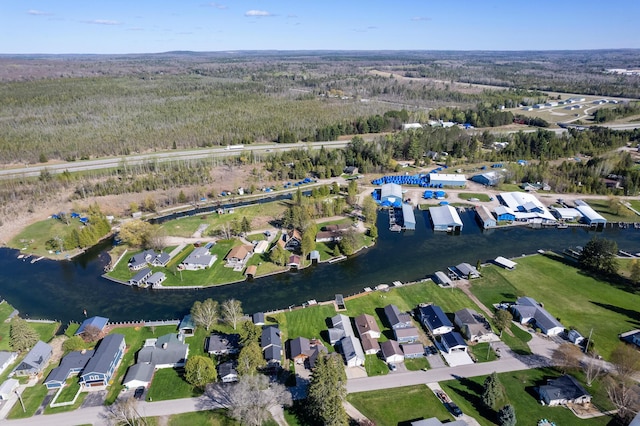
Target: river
60	290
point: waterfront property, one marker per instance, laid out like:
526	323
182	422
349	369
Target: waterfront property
589	215
434	318
199	258
442	279
98	322
526	207
367	325
505	263
527	310
35	361
348	345
222	344
474	326
566	214
271	343
391	195
104	361
563	390
504	214
397	319
445	219
485	217
156	279
72	363
187	327
408	217
168	351
140	279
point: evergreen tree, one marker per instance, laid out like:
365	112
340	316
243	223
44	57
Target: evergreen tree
507	416
22	336
492	391
327	391
245	225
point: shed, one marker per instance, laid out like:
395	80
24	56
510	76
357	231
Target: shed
467	270
156	279
488	178
391	351
505	263
441	278
7	388
408	217
258	318
261	247
141	277
98	322
485	217
187	327
314	256
251	271
445	218
589	215
139	374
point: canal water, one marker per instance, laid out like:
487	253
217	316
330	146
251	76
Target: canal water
62	290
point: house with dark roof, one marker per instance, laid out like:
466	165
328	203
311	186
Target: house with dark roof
227	372
98	322
335	334
104	361
351	350
140	374
198	259
168	351
563	390
187	327
527	310
317	348
474	327
453	342
222	344
290	240
406	335
397	319
156	279
271	343
412	350
35	361
367	325
434	318
141	260
467	271
299	349
72	363
6	359
391	351
370	346
140	279
162	259
258	318
631	337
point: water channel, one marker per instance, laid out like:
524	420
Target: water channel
62	289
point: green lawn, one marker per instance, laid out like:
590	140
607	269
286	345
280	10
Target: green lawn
5	310
168	383
33	237
375	366
32	398
482	352
577	299
70	393
390	407
415	364
308	322
622	214
202	418
186	226
479	196
46	331
636	205
134	338
519	388
70	390
71	329
517	342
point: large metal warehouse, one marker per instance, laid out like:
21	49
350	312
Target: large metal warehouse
488	179
485	217
391	195
408	217
589	215
445	218
447	179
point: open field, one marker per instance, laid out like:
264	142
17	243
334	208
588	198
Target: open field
578	300
168	383
479	196
520	390
618	214
390	407
33	238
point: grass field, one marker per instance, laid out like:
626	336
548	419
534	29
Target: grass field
309	322
398	406
415	364
579	300
168	383
375	366
479	196
33	238
32	398
622	214
202	418
519	388
482	352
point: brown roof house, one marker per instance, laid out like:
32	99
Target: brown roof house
367	325
291	240
369	344
238	256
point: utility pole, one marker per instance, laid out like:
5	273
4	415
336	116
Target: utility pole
24	410
586	348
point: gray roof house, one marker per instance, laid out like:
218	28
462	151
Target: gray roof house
563	390
299	349
102	365
258	318
413	350
98	322
7	388
162	259
72	363
199	258
434	318
139	374
474	327
335	334
352	351
391	351
141	277
227	372
222	344
406	335
271	343
156	279
6	359
468	271
35	361
140	260
168	351
528	311
396	318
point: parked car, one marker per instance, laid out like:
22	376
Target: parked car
455	410
138	393
393	367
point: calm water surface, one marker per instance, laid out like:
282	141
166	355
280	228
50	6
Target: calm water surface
61	290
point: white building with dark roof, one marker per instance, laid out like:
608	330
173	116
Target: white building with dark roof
527	310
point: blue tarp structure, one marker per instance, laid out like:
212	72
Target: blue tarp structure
444	203
418	180
440	194
427	195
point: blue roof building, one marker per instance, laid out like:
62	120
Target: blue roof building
98	322
453	342
434	318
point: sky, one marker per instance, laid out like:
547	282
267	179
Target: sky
143	26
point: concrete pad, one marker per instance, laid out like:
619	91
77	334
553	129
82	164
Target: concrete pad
455	359
356	372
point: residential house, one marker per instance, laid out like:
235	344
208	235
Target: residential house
161	259
227	372
294	261
335	334
238	256
35	361
563	390
140	279
258	318
367	325
369	344
271	343
350	170
299	349
391	351
527	310
406	335
140	374
474	327
198	259
104	361
290	240
6	359
328	237
7	388
434	421
412	350
397	319
168	351
434	318
72	363
317	348
141	260
187	327
351	350
453	342
156	279
222	344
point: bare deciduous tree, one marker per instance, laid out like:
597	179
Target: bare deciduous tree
624	396
592	368
232	312
626	360
124	412
205	314
91	333
567	356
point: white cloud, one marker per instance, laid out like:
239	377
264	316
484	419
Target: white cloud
38	12
217	5
257	13
102	22
420	18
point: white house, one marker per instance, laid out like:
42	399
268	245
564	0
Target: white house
391	351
